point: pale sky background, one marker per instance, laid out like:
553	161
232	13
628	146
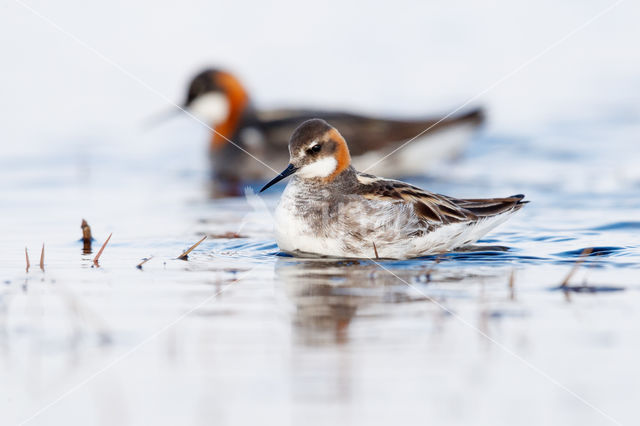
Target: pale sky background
402	57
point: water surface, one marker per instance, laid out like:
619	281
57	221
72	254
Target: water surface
241	332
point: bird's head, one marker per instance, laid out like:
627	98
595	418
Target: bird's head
214	95
317	151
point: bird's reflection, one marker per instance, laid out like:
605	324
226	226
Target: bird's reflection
329	294
326	295
336	306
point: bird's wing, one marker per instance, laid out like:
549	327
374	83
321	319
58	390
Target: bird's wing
362	133
484	207
435	208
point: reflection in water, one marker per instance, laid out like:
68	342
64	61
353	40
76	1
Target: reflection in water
346	313
329	295
326	295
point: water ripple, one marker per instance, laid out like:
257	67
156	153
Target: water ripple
618	226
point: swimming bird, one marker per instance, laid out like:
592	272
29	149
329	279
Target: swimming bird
220	100
330	209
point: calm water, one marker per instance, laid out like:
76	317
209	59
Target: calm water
240	333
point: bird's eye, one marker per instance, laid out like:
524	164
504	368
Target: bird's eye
314	149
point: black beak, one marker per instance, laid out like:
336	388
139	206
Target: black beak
291	169
162	117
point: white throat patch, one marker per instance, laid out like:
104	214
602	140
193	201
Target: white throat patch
319	169
212	108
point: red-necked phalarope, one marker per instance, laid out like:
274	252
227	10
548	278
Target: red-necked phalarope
220	100
328	208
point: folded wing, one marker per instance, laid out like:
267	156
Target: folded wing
436	209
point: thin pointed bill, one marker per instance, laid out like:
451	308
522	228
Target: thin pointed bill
291	169
162	117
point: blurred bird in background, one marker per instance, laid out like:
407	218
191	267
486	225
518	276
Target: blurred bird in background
220	100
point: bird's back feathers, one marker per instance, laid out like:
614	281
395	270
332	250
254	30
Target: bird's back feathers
435	208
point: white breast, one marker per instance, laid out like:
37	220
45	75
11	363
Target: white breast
299	231
294	231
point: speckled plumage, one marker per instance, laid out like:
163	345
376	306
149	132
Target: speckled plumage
345	212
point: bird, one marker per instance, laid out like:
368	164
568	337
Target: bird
220	100
330	209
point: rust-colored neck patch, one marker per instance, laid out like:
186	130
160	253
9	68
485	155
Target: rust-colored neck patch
342	155
238	101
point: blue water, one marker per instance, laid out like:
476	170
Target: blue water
256	326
